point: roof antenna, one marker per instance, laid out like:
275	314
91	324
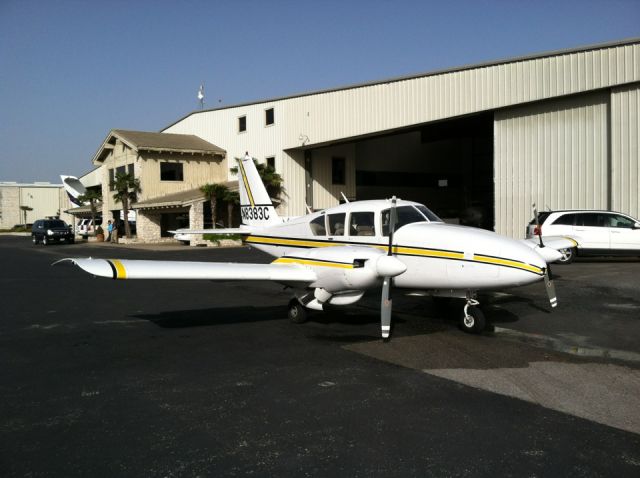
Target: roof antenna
201	95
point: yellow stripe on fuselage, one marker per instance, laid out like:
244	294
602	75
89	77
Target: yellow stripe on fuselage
508	263
400	250
312	262
121	272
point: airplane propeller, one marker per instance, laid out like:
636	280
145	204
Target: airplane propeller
386	302
548	276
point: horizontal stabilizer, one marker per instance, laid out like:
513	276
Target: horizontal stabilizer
138	269
230	230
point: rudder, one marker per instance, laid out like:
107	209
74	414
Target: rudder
256	208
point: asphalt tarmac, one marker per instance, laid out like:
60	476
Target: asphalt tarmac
184	378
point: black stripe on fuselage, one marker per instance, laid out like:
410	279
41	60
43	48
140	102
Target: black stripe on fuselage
383	246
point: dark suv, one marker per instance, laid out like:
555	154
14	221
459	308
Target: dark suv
48	231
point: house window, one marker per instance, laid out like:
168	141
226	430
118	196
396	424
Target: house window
337	170
242	124
130	170
271	162
171	172
268	117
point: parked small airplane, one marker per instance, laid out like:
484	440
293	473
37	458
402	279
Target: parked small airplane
333	256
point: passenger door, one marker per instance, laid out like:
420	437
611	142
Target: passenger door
624	235
591	230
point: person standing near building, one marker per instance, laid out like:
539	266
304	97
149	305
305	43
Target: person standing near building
114	231
109	230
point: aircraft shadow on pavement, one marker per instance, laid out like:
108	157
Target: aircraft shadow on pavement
213	316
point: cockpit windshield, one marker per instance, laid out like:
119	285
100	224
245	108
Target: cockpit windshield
407	215
428	213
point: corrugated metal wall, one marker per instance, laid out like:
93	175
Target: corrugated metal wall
320	118
553	154
625	150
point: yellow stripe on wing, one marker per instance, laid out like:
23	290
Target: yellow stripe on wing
121	272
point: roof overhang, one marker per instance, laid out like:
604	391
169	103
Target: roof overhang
144	141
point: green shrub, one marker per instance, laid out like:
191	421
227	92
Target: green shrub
216	238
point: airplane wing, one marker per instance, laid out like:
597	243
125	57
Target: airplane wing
139	269
228	230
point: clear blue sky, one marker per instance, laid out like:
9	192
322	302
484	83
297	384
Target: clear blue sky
70	71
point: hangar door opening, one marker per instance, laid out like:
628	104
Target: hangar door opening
448	166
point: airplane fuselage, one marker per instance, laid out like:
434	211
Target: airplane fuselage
437	255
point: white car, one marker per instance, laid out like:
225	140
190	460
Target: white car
596	233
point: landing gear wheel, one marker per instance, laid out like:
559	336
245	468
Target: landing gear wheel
568	255
297	312
472	321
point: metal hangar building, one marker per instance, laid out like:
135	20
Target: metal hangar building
477	144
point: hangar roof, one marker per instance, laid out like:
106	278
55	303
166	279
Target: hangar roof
472	66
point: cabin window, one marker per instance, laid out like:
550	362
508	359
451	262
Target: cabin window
337	170
336	224
317	226
406	215
361	224
242	124
269	118
171	172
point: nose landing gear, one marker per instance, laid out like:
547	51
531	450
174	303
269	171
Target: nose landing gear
472	320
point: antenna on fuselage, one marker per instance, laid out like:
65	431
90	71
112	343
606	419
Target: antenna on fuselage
344	197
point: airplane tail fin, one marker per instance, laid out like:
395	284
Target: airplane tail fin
256	208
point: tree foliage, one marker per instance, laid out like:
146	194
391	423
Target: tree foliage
214	192
92	196
126	188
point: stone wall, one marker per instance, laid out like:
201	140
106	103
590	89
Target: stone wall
9	207
148	226
196	221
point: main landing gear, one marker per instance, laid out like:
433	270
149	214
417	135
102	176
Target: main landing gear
297	312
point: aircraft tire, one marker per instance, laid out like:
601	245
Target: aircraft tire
297	312
570	255
475	323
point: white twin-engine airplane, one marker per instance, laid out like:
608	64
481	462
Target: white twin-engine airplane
334	256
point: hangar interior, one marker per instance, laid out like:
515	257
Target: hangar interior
447	165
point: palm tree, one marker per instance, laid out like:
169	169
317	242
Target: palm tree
91	196
214	192
126	187
231	198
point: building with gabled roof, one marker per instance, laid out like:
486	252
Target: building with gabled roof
168	166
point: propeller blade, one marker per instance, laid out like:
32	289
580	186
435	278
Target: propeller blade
535	215
393	219
551	288
385	308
